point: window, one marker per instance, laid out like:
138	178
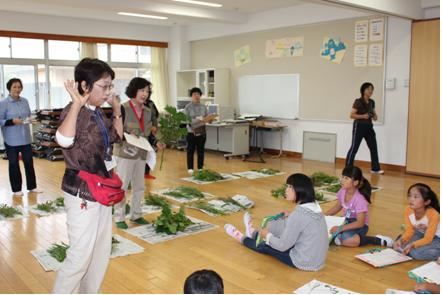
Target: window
58	75
102	51
64	50
144	55
20	48
26	73
43	94
122	79
123	53
5	49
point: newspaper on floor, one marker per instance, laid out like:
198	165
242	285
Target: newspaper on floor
225	176
58	210
24	214
163	192
255	174
123	248
318	287
244	200
147	232
218	205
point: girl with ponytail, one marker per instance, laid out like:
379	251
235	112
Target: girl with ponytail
353	200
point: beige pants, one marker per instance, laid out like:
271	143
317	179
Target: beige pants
130	171
90	241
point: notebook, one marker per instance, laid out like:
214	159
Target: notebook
429	272
383	257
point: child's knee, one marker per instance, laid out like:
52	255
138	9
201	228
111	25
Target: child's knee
424	254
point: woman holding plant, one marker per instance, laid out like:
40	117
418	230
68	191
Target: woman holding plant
139	121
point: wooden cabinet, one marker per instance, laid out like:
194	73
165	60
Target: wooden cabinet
423	151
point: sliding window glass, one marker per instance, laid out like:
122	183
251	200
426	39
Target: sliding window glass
59	97
27	48
64	50
5	47
26	73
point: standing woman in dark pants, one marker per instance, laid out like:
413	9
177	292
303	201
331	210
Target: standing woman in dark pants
196	130
14	120
363	113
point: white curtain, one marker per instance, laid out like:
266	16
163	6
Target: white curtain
88	50
160	77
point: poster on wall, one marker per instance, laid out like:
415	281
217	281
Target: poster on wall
377	29
286	47
361	31
375	54
242	56
360	55
333	49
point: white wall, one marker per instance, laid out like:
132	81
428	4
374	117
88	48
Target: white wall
35	23
392	135
433	12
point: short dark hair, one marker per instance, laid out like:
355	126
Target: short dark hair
136	84
12	81
303	186
204	282
365	86
195	90
91	70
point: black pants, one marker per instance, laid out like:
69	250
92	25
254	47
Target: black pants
198	143
14	167
363	131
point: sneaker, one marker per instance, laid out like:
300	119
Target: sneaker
247	219
233	232
149	176
190	171
140	220
36	191
377	171
385	241
18	194
121	225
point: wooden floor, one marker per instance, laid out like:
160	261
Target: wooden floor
162	268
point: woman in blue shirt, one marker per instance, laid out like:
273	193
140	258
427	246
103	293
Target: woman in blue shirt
14	121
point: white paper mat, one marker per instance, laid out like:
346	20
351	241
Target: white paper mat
225	175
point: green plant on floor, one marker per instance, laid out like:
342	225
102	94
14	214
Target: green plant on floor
279	192
48	206
319	196
185	192
170	128
8	211
59	202
155	200
233	202
58	251
207	175
207	207
321	178
170	223
268	171
334	188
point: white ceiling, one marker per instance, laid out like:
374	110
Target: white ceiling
233	11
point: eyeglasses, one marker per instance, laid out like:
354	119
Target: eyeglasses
106	87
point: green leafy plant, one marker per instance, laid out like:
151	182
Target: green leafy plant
279	192
334	188
268	171
185	192
170	223
321	178
233	202
8	211
207	207
155	200
59	202
58	251
48	206
207	175
170	128
319	196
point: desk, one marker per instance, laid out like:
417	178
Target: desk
232	138
257	130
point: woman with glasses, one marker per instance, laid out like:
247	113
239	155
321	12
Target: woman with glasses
14	121
86	136
139	121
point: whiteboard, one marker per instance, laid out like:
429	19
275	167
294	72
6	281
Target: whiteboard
275	96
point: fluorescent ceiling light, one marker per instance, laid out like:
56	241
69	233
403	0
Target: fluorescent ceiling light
200	3
142	15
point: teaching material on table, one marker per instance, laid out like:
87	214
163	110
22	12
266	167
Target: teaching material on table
383	257
429	273
138	141
331	222
318	287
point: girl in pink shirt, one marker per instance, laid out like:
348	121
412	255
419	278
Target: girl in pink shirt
353	200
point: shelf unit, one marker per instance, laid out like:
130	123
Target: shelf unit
214	83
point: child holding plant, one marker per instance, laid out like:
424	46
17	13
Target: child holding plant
300	239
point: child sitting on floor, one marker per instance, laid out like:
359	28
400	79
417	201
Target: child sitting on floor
300	239
421	239
204	282
353	200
